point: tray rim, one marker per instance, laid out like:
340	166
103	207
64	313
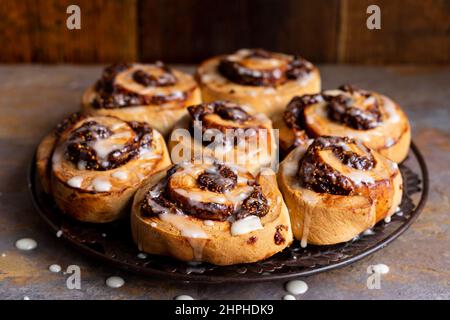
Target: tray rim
202	278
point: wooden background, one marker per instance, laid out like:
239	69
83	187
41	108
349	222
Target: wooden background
187	31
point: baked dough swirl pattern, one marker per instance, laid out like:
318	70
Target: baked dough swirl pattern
348	112
93	165
337	188
153	93
262	79
213	212
226	131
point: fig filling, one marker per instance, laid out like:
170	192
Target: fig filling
240	71
321	177
217	181
80	145
294	116
359	111
111	95
224	109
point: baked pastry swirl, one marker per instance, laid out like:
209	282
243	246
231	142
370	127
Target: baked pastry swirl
368	116
92	166
226	131
262	79
211	212
337	188
152	93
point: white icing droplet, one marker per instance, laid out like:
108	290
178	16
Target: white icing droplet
183	297
379	268
3	255
75	182
101	185
120	175
185	225
55	268
246	225
26	244
59	233
142	255
387	219
26	298
208	223
153	224
296	287
104	235
289	297
115	282
368	232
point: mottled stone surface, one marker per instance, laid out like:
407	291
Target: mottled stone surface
34	98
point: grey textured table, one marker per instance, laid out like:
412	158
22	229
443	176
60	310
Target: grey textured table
34	98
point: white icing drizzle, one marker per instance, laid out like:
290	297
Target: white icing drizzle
311	199
390	109
196	236
26	244
208	223
148	154
75	182
296	287
115	282
59	233
245	225
359	177
101	184
120	175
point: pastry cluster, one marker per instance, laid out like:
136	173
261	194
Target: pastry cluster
191	159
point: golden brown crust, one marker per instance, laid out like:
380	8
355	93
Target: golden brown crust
161	116
258	152
80	198
323	218
391	137
267	99
217	245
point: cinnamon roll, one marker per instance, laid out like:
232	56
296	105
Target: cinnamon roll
226	131
211	212
152	93
337	188
262	79
92	166
368	116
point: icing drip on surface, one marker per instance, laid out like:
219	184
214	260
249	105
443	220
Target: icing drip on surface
246	225
75	182
296	287
120	175
55	268
26	244
101	185
115	282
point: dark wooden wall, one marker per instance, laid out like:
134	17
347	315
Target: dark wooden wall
187	31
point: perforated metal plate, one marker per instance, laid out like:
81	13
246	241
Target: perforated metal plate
112	243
